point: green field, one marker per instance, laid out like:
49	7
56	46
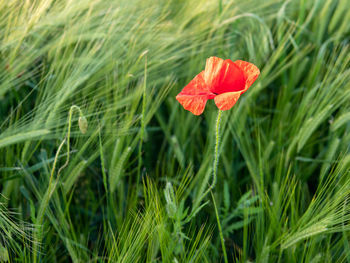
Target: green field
100	163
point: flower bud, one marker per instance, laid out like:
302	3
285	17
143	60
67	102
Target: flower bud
83	124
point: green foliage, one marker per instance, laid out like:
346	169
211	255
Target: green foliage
125	180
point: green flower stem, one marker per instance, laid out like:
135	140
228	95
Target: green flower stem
45	201
68	134
215	169
216	158
215	164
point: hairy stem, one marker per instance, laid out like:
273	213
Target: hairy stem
215	169
216	156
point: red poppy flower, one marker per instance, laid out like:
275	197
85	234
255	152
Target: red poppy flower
221	80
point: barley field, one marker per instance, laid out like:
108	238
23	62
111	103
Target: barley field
100	163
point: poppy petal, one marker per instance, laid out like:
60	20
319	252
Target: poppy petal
251	72
194	104
226	100
194	96
223	76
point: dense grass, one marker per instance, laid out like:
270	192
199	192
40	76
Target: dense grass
131	188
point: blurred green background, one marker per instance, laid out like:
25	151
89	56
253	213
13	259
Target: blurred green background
131	188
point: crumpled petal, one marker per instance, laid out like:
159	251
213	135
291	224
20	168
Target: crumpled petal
223	76
194	96
251	72
225	101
